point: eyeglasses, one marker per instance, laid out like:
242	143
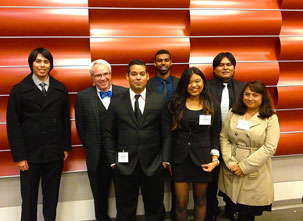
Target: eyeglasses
104	75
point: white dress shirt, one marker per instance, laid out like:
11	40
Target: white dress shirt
106	100
37	82
141	99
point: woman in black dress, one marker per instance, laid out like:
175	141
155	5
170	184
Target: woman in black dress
196	140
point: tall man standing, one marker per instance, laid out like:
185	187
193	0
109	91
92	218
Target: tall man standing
90	110
137	138
38	129
164	83
225	90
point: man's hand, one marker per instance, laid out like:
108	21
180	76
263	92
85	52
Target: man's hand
22	165
65	155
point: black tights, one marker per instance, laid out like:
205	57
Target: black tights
245	217
199	192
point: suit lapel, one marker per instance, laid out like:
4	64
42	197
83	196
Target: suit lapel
153	85
128	105
96	103
148	104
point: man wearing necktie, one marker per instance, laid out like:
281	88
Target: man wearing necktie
137	136
90	111
164	83
38	129
225	90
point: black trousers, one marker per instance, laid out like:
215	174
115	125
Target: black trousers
127	190
99	183
50	174
211	193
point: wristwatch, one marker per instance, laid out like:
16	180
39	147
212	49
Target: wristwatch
216	160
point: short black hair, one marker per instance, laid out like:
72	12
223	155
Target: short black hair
44	52
162	51
136	62
217	60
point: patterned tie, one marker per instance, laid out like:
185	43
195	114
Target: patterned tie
42	85
138	113
224	102
104	94
164	89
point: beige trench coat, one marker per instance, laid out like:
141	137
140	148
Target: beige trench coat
252	150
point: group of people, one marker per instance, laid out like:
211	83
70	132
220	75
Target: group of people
213	134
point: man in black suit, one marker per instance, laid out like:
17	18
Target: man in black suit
164	83
38	129
137	139
225	90
90	110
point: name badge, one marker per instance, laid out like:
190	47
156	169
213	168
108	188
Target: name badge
243	124
122	157
205	119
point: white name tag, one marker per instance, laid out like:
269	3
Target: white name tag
243	124
122	157
205	119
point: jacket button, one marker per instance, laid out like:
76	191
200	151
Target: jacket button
189	143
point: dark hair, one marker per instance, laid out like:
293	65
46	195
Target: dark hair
266	109
217	60
179	98
162	51
44	52
136	62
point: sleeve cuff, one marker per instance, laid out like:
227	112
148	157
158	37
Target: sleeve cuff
215	152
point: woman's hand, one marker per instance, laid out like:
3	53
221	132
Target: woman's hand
237	170
209	167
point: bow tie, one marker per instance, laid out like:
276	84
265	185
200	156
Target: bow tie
104	94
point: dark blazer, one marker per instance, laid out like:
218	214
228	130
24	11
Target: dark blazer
90	117
38	126
197	141
148	142
152	84
213	86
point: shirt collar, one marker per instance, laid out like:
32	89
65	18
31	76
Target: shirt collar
110	89
168	79
132	94
37	81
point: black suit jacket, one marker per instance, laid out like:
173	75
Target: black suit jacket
213	86
197	141
152	84
90	118
38	126
148	142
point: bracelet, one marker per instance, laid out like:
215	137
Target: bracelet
216	160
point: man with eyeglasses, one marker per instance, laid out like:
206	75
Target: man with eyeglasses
90	110
225	90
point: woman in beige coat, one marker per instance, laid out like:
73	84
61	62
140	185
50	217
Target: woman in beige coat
249	138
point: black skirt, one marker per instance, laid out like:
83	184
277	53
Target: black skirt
245	209
187	171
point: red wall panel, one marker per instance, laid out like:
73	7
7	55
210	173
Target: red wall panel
123	50
65	51
140	3
43	22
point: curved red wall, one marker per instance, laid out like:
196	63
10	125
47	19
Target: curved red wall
266	41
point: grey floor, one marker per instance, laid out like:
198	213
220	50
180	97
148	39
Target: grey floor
280	213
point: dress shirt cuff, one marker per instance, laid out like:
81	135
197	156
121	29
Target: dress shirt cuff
167	163
215	152
113	164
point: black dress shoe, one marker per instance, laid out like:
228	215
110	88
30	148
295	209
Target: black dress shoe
231	215
211	218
